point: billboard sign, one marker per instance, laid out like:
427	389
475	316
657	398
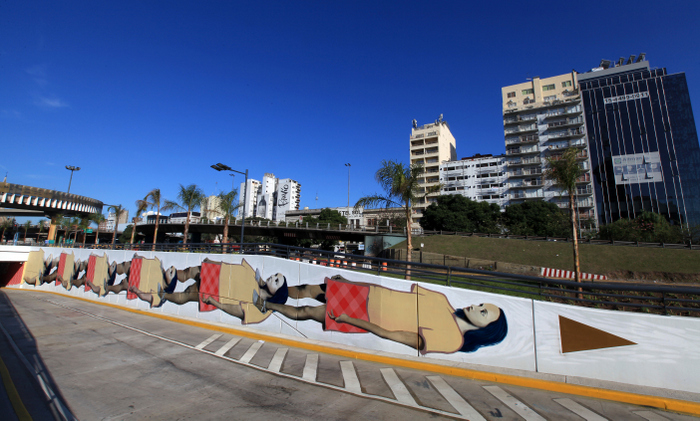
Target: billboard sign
637	168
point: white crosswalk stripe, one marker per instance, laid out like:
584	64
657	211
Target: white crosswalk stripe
579	410
352	383
650	416
276	363
310	367
226	348
397	387
514	404
206	342
455	399
250	353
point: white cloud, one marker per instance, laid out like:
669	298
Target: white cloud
11	114
52	102
38	73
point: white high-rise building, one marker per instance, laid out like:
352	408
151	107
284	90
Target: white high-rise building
271	198
288	196
248	197
265	203
431	144
478	177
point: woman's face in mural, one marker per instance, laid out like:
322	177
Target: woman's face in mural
483	314
274	282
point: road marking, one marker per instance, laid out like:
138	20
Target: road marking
579	410
397	387
250	353
276	363
650	416
514	404
226	348
211	339
455	399
352	383
310	367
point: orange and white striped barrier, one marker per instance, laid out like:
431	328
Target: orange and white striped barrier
568	274
384	266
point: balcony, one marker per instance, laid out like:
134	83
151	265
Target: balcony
563	123
524	195
525	161
526	184
525	172
521	151
518	119
584	190
567	133
523	140
521	129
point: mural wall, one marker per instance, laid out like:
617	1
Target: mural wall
382	314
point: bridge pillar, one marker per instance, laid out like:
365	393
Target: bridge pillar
52	229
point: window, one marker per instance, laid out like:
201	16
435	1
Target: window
528	91
566	84
548	87
511	94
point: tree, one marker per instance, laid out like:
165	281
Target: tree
646	227
537	217
402	187
455	212
327	216
4	225
97	218
190	198
27	225
227	205
117	209
564	170
153	201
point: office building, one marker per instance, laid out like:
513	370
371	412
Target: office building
431	144
642	140
478	177
271	198
541	118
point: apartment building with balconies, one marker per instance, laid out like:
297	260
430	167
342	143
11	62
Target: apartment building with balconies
431	144
478	177
541	118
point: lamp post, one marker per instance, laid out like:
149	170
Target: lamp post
71	169
222	167
348	165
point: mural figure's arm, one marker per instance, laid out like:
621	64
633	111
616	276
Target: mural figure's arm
407	338
233	309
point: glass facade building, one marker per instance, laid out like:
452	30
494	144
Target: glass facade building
642	141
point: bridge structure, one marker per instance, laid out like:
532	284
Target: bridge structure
19	200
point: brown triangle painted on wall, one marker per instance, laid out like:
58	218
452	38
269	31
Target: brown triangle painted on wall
577	336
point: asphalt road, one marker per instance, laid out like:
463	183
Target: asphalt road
94	362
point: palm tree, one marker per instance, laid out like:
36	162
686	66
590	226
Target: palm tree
564	170
117	209
83	225
26	228
153	201
190	198
227	206
402	187
4	225
97	218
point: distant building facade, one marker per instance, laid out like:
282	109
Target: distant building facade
643	141
270	199
431	144
478	177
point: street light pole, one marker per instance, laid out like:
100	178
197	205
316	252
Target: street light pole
348	165
71	169
223	167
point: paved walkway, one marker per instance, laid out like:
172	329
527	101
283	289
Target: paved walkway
106	363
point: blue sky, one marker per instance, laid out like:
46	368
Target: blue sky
149	94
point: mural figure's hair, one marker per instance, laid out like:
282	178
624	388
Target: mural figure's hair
280	296
491	334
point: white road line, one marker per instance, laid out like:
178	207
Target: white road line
397	387
650	416
457	402
276	363
310	367
226	348
211	339
579	410
250	353
352	383
514	404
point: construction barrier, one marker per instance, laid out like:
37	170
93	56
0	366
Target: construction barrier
568	274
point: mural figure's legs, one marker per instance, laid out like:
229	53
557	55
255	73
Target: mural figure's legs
191	293
317	292
407	338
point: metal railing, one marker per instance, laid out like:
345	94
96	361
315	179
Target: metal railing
623	296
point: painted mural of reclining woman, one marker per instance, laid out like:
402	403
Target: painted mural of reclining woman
422	319
233	288
64	269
